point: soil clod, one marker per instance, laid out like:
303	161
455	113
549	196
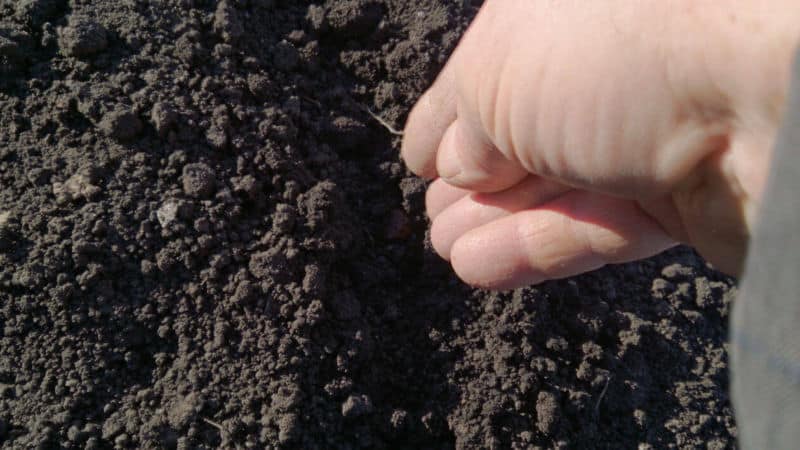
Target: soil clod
82	37
198	180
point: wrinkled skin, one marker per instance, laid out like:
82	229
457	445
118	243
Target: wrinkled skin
566	135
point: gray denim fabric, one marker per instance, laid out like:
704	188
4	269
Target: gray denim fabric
765	325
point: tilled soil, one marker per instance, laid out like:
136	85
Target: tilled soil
207	240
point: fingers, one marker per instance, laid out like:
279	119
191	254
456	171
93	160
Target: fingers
575	233
427	122
445	139
469	212
467	158
440	195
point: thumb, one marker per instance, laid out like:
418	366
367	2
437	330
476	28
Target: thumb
467	159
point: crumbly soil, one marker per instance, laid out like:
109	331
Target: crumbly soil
207	240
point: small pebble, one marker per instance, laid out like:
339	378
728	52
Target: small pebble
168	212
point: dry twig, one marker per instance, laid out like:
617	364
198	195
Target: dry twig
214	424
602	394
383	122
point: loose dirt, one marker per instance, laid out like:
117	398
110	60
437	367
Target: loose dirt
207	240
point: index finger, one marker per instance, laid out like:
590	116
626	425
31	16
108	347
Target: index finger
429	119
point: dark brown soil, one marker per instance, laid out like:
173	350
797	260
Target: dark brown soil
208	241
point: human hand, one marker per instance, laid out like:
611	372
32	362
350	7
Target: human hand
569	135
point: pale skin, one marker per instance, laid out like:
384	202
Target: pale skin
564	135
